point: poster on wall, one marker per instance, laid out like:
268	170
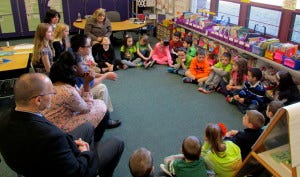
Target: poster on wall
171	6
166	6
160	4
150	3
289	4
181	6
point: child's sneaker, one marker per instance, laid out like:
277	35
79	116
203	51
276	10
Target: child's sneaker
187	80
152	63
147	65
203	90
140	65
172	70
229	99
164	169
181	72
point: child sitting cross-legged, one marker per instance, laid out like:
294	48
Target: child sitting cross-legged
223	157
199	69
104	55
161	53
189	163
128	53
220	71
183	62
252	96
253	121
238	77
145	51
141	163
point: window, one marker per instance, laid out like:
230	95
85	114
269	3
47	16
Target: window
270	2
265	17
200	4
229	9
295	31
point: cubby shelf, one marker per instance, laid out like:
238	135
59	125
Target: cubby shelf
278	66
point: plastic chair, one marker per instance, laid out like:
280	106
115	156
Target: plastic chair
113	16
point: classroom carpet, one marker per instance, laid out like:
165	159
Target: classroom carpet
157	111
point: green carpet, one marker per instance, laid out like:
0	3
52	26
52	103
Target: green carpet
158	111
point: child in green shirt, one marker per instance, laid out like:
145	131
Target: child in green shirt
187	164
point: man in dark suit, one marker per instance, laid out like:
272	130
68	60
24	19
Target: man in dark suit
34	147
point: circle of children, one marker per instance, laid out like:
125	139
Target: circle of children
216	71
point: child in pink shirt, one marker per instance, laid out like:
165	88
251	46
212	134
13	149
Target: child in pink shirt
161	53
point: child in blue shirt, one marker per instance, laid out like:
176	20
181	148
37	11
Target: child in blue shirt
253	94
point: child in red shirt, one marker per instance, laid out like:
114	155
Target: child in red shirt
175	44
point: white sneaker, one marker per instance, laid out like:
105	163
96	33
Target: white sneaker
164	169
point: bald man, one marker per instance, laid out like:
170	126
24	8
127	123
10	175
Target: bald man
34	147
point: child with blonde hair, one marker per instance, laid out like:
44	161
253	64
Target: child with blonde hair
104	55
61	42
141	163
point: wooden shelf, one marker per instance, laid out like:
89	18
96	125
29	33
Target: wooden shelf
278	66
270	163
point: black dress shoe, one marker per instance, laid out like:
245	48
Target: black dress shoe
113	124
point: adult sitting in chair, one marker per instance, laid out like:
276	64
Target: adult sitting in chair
98	26
34	147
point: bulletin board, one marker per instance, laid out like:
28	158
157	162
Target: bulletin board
6	17
33	14
57	5
181	6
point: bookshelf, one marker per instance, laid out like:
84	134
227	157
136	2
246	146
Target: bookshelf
276	149
278	66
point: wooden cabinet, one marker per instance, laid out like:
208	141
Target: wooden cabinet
277	148
163	32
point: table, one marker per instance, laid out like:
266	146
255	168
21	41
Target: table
116	26
19	63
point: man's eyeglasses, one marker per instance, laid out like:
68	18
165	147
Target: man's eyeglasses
43	94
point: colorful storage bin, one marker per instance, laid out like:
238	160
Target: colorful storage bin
257	50
291	63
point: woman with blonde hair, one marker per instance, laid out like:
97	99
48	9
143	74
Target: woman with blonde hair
43	52
61	40
98	26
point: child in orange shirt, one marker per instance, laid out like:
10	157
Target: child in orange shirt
199	69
